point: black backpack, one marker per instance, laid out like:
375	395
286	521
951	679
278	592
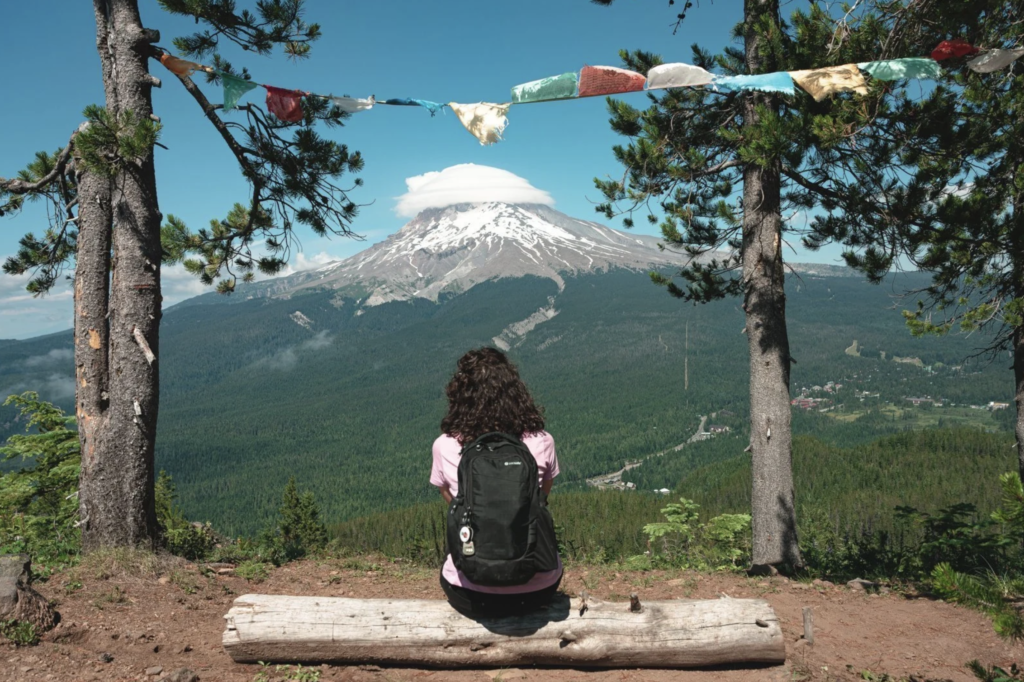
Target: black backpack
500	531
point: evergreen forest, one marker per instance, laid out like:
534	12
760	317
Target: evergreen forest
349	402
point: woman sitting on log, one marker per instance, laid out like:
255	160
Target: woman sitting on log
494	464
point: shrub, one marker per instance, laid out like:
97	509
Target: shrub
301	529
252	571
180	537
21	633
298	532
1000	594
39	503
721	543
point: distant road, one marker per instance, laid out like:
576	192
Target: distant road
609	480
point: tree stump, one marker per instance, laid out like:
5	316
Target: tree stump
429	633
18	601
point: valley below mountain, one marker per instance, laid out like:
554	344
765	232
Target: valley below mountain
336	375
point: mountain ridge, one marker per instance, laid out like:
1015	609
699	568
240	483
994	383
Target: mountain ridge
451	249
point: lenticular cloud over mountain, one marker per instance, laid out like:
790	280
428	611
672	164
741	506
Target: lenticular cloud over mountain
467	183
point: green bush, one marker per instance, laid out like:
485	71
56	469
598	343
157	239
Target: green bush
301	530
723	543
919	542
21	633
995	673
998	589
180	537
252	571
39	503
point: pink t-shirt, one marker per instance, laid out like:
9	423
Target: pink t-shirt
445	474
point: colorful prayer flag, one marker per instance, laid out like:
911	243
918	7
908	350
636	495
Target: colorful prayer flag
953	48
351	105
779	81
432	107
554	87
608	80
677	76
285	104
897	69
995	59
234	88
180	67
484	120
820	83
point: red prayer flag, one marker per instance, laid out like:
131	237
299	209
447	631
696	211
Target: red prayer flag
953	48
285	104
608	80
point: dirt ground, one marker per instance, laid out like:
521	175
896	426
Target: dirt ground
123	624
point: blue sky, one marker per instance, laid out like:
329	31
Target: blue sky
443	51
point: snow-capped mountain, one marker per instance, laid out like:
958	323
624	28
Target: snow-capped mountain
454	248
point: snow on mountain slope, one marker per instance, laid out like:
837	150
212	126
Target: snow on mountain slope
454	248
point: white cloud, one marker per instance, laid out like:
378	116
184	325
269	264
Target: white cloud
24	316
178	284
52	387
301	262
287	358
467	183
283	360
54	357
319	341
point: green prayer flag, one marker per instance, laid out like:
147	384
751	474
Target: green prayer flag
234	88
897	69
555	87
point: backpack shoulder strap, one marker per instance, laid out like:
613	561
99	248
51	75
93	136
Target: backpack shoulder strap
493	437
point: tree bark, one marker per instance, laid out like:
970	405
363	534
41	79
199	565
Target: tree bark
772	505
117	490
667	634
1017	335
92	298
1018	396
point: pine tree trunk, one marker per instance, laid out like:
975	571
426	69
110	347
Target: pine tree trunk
772	507
117	489
1017	337
92	297
1018	397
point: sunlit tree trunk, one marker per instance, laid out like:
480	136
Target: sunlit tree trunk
116	489
772	507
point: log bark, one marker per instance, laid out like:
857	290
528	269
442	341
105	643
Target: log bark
429	633
773	515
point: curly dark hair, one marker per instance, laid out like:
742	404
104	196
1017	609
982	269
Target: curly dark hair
485	395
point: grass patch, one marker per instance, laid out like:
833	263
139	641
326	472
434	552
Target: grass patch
916	418
253	571
122	563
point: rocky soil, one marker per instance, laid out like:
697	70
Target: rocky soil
138	618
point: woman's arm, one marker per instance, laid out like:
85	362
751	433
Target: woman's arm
447	494
546	486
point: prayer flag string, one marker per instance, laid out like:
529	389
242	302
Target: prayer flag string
487	121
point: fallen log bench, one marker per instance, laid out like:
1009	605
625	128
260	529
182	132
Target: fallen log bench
430	633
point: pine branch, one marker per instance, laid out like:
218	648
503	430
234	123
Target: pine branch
19	186
799	179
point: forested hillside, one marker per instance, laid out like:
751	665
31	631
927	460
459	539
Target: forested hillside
348	399
843	494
